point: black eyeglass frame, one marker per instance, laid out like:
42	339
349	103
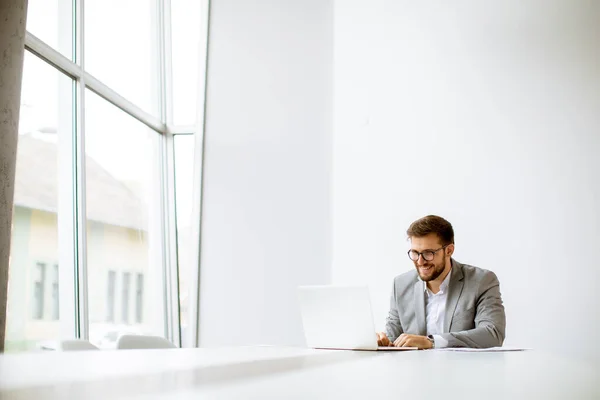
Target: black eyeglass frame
422	254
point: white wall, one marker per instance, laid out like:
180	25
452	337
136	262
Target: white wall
266	213
487	113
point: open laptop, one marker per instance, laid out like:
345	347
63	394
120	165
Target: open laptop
339	317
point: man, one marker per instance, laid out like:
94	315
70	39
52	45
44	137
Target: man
443	303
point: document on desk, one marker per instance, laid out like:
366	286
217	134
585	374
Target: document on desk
488	350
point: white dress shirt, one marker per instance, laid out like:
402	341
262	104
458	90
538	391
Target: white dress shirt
435	308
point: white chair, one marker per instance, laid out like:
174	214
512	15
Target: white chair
68	345
128	342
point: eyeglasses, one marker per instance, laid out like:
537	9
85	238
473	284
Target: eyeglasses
428	255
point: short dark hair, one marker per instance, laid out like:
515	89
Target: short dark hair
432	224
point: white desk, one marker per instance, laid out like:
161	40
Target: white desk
275	372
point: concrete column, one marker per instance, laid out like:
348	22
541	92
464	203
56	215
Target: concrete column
12	41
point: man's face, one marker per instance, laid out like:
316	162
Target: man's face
429	270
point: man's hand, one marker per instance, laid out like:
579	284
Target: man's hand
382	339
406	340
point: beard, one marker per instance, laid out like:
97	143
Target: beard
433	272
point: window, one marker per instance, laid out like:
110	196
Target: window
110	296
131	70
139	298
185	48
45	122
123	216
39	281
125	297
51	21
55	310
104	183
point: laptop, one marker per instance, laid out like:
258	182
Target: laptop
339	317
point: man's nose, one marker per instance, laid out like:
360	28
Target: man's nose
421	260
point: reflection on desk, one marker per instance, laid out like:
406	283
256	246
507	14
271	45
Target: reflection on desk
284	372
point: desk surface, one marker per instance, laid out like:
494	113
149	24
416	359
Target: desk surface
280	372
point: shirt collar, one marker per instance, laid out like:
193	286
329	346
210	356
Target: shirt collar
444	284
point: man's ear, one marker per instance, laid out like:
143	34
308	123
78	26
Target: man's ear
450	250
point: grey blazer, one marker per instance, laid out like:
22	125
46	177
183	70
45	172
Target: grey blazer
474	311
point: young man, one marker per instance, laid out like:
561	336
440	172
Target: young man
443	303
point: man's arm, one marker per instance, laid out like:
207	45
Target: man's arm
393	328
490	320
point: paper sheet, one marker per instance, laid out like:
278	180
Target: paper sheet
488	350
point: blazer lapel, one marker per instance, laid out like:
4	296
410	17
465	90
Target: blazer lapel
454	291
420	307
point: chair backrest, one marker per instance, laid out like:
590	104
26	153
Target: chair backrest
68	345
143	342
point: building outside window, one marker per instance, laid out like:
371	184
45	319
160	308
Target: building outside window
125	297
139	298
55	309
110	296
39	281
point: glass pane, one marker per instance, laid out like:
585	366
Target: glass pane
46	113
52	22
185	32
123	225
121	48
184	173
